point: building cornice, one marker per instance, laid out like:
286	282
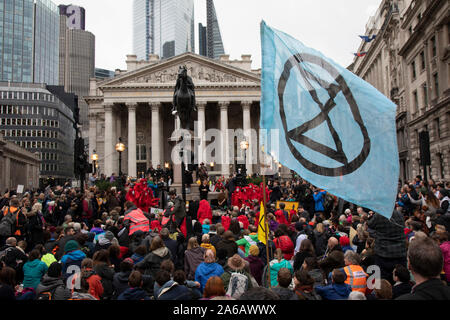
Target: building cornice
427	18
431	111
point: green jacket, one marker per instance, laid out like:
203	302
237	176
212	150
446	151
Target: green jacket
247	241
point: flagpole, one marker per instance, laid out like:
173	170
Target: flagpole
266	225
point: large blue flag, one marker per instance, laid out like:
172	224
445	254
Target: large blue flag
331	127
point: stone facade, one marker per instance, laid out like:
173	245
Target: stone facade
17	167
409	63
136	105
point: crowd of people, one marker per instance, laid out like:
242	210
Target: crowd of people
66	243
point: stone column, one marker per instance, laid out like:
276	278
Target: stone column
92	135
109	144
225	138
132	139
201	123
247	126
156	148
8	183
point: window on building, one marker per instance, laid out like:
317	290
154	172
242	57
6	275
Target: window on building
436	85
433	47
437	128
415	101
422	60
413	70
425	94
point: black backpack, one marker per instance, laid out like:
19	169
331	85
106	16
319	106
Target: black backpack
46	295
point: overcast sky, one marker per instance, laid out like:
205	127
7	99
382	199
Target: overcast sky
330	26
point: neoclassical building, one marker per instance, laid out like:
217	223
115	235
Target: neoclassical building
136	106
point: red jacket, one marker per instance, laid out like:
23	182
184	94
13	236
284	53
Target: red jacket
286	246
244	221
281	218
204	211
226	221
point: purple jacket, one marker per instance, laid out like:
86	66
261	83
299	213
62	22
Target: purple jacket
445	248
256	268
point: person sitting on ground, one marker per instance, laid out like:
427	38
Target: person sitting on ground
276	264
207	244
235	278
425	262
214	289
120	280
134	291
73	256
284	281
356	277
193	257
304	286
255	263
34	270
207	269
52	286
338	289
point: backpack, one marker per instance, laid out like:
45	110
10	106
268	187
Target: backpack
238	285
46	295
4	254
6	224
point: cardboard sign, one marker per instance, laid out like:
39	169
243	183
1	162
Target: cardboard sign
20	189
288	205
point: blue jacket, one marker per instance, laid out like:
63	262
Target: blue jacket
334	291
71	258
133	294
205	271
33	272
318	199
173	291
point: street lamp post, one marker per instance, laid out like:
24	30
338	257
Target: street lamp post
94	158
244	147
120	147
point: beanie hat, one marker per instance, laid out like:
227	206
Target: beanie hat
109	235
254	250
71	245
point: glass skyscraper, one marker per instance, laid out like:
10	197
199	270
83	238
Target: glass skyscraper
27	26
163	27
214	38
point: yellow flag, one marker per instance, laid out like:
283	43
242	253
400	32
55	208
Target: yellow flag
262	226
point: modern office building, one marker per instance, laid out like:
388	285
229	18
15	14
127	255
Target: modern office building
29	42
76	58
163	27
103	73
202	40
214	39
40	119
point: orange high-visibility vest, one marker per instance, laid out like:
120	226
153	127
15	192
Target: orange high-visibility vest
356	278
138	221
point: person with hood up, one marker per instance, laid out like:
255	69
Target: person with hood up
72	256
338	289
193	257
207	269
134	291
52	284
152	261
120	280
204	211
104	241
228	243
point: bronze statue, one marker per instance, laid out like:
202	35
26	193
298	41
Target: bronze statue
184	99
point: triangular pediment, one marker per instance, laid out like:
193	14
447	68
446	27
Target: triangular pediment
202	70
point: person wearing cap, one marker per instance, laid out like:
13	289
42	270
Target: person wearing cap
207	269
72	256
104	241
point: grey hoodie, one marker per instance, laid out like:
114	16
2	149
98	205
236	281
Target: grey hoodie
55	286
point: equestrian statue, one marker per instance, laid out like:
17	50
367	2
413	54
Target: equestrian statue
184	99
